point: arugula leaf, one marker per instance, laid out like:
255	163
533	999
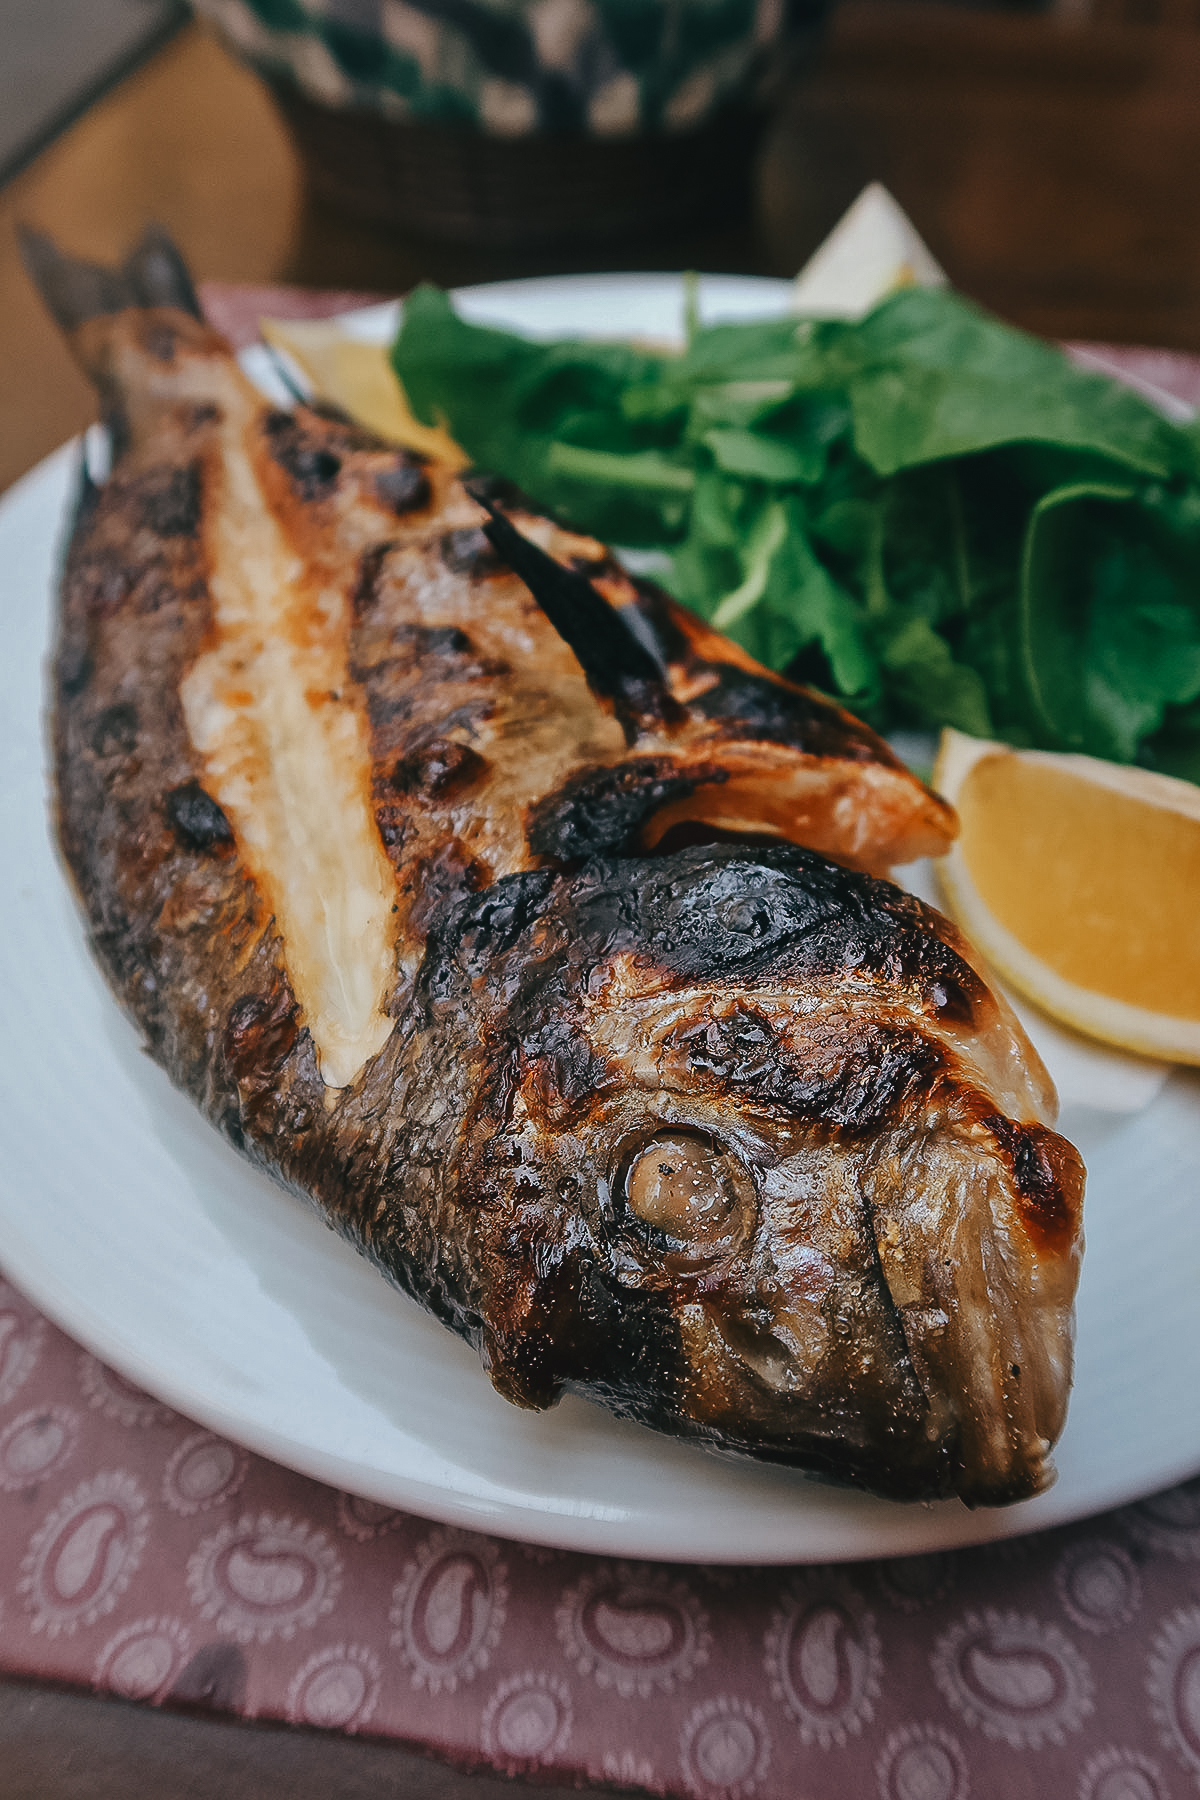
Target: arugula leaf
1110	625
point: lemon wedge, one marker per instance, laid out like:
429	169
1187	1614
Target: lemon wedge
358	377
1079	881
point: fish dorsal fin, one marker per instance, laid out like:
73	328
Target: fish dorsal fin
73	290
618	665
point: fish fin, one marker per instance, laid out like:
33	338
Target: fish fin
154	274
619	666
74	290
158	275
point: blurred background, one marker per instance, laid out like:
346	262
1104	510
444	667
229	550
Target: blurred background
1046	154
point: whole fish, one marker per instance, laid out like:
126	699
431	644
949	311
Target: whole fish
536	934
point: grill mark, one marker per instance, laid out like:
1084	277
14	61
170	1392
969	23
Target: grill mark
385	708
440	768
745	706
403	488
309	464
1048	1174
115	731
468	552
602	810
867	1077
170	504
448	876
365	592
259	1035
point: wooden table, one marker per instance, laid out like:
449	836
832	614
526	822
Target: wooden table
1051	167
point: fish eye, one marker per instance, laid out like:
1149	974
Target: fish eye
688	1198
680	1184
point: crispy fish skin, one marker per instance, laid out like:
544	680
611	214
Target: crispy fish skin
730	1137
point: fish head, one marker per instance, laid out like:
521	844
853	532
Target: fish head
731	1150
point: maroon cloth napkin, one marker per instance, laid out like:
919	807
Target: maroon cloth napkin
141	1555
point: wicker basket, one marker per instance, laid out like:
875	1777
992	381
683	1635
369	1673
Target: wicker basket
463	186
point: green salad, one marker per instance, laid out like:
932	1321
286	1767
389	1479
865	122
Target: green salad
927	514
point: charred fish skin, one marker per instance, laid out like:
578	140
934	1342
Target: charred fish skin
730	1137
704	1085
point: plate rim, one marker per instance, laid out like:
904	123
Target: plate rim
549	1527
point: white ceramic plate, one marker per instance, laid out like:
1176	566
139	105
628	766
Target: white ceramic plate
140	1232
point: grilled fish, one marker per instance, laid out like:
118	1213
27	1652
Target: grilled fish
539	937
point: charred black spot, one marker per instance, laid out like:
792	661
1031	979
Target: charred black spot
404	488
551	1322
419	645
384	708
602	810
753	706
810	667
449	877
440	652
491	924
1049	1175
344	435
170	505
532	1323
115	732
259	1035
365	592
657	624
738	1047
595	566
486	487
564	1072
848	1081
782	913
619	663
196	819
440	768
393	823
468	552
468	718
312	468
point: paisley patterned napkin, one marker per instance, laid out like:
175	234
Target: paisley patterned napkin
143	1556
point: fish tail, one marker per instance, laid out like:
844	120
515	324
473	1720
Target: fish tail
153	274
